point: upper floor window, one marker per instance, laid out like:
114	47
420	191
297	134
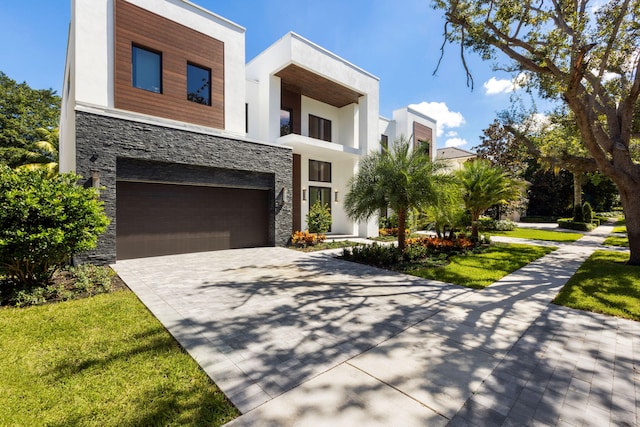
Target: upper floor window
146	69
198	84
384	142
319	128
319	171
286	121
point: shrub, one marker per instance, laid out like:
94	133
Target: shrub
305	238
486	223
570	224
43	222
505	225
392	231
587	213
374	254
319	218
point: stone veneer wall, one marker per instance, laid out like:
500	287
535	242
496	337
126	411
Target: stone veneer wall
103	143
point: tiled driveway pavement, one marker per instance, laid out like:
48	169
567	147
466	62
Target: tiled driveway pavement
298	339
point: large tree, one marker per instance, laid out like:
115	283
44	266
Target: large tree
398	178
585	53
25	113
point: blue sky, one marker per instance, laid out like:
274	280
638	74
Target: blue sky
396	40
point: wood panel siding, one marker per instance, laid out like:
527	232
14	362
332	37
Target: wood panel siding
292	101
422	135
297	197
299	80
178	45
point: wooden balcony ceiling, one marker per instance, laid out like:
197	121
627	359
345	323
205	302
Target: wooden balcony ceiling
298	80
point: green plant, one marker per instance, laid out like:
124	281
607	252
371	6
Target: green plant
578	214
571	224
587	213
505	225
43	222
319	218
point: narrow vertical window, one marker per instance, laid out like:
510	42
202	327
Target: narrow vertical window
146	69
246	118
198	84
286	121
384	143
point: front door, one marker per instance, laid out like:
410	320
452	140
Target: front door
322	194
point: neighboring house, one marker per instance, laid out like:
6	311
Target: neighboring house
196	150
455	156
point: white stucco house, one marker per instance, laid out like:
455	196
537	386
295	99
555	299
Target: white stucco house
196	149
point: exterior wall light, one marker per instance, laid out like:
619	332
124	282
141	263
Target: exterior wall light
335	196
95	179
304	194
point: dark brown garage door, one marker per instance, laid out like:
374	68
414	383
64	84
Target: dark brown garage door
162	219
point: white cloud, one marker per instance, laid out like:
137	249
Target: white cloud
495	86
451	134
441	113
455	142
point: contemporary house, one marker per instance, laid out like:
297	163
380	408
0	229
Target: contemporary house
193	148
456	157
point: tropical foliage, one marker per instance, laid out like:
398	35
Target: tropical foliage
582	54
483	186
399	178
43	222
26	116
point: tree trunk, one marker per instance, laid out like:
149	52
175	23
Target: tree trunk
474	227
577	190
402	221
631	206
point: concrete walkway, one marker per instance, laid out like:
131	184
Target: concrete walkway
309	340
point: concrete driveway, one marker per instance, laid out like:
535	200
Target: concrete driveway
306	339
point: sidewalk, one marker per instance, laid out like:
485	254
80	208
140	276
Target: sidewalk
500	356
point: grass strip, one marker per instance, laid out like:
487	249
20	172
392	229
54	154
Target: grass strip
100	361
479	270
535	234
604	284
622	241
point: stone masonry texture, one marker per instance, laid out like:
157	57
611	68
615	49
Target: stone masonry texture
118	148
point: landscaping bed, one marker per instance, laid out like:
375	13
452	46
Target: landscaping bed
459	261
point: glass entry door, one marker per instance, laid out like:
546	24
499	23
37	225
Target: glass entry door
322	194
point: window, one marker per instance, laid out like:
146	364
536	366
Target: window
286	121
246	118
198	84
384	143
319	171
319	128
146	69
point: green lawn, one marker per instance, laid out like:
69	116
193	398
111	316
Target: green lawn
620	226
479	270
100	361
617	241
535	234
604	284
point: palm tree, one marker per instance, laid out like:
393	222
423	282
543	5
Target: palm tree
44	154
483	186
397	178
